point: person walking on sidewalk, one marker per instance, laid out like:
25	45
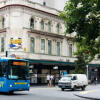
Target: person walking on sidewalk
51	80
48	80
95	80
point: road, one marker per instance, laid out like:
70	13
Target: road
42	93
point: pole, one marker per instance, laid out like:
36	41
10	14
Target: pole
87	71
6	53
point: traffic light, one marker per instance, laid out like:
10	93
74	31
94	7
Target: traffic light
6	53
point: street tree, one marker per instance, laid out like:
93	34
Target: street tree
83	18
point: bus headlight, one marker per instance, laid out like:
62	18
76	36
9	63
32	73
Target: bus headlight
28	85
10	85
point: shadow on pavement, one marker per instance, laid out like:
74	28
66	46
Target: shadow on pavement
13	94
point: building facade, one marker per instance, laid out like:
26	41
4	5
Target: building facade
35	32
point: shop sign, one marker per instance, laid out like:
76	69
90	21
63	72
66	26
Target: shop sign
16	43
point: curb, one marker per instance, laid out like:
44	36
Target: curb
87	97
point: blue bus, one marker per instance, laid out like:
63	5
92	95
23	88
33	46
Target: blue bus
14	75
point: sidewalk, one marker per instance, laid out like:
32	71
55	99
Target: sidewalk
91	92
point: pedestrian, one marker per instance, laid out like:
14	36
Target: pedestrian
48	80
51	80
95	81
54	80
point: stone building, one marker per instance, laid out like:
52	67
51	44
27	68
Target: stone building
35	32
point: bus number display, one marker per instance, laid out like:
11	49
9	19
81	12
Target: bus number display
19	63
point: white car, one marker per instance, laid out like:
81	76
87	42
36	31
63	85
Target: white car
73	81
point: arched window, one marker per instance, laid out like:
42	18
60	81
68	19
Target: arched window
2	22
49	26
58	28
42	25
32	23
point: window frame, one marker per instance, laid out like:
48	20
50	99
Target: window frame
58	28
32	24
50	48
49	26
2	44
58	48
42	25
32	45
70	50
43	46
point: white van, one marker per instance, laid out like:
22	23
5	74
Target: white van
73	81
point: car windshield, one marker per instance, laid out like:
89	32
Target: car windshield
18	70
68	78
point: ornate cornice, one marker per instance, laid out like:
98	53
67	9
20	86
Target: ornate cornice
46	33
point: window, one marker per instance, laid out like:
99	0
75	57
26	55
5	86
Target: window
49	27
74	78
3	20
58	49
32	45
49	47
2	44
44	3
42	25
32	23
58	28
70	50
42	46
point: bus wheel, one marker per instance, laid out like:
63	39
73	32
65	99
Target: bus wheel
10	92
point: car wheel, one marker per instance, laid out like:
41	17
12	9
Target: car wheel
62	89
83	87
74	88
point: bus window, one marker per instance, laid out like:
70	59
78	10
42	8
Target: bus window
3	69
18	70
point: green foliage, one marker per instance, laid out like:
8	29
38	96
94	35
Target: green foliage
83	17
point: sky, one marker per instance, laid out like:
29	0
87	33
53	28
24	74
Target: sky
58	4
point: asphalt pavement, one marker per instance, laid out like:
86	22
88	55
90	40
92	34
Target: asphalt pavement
92	92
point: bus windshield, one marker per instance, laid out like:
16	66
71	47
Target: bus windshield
18	70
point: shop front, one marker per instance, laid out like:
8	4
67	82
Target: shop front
40	68
94	72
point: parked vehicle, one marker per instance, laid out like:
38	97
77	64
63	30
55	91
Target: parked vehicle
73	81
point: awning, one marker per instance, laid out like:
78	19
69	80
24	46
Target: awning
49	62
94	65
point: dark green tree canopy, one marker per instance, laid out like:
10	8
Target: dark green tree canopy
83	17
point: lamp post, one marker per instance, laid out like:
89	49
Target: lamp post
87	71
